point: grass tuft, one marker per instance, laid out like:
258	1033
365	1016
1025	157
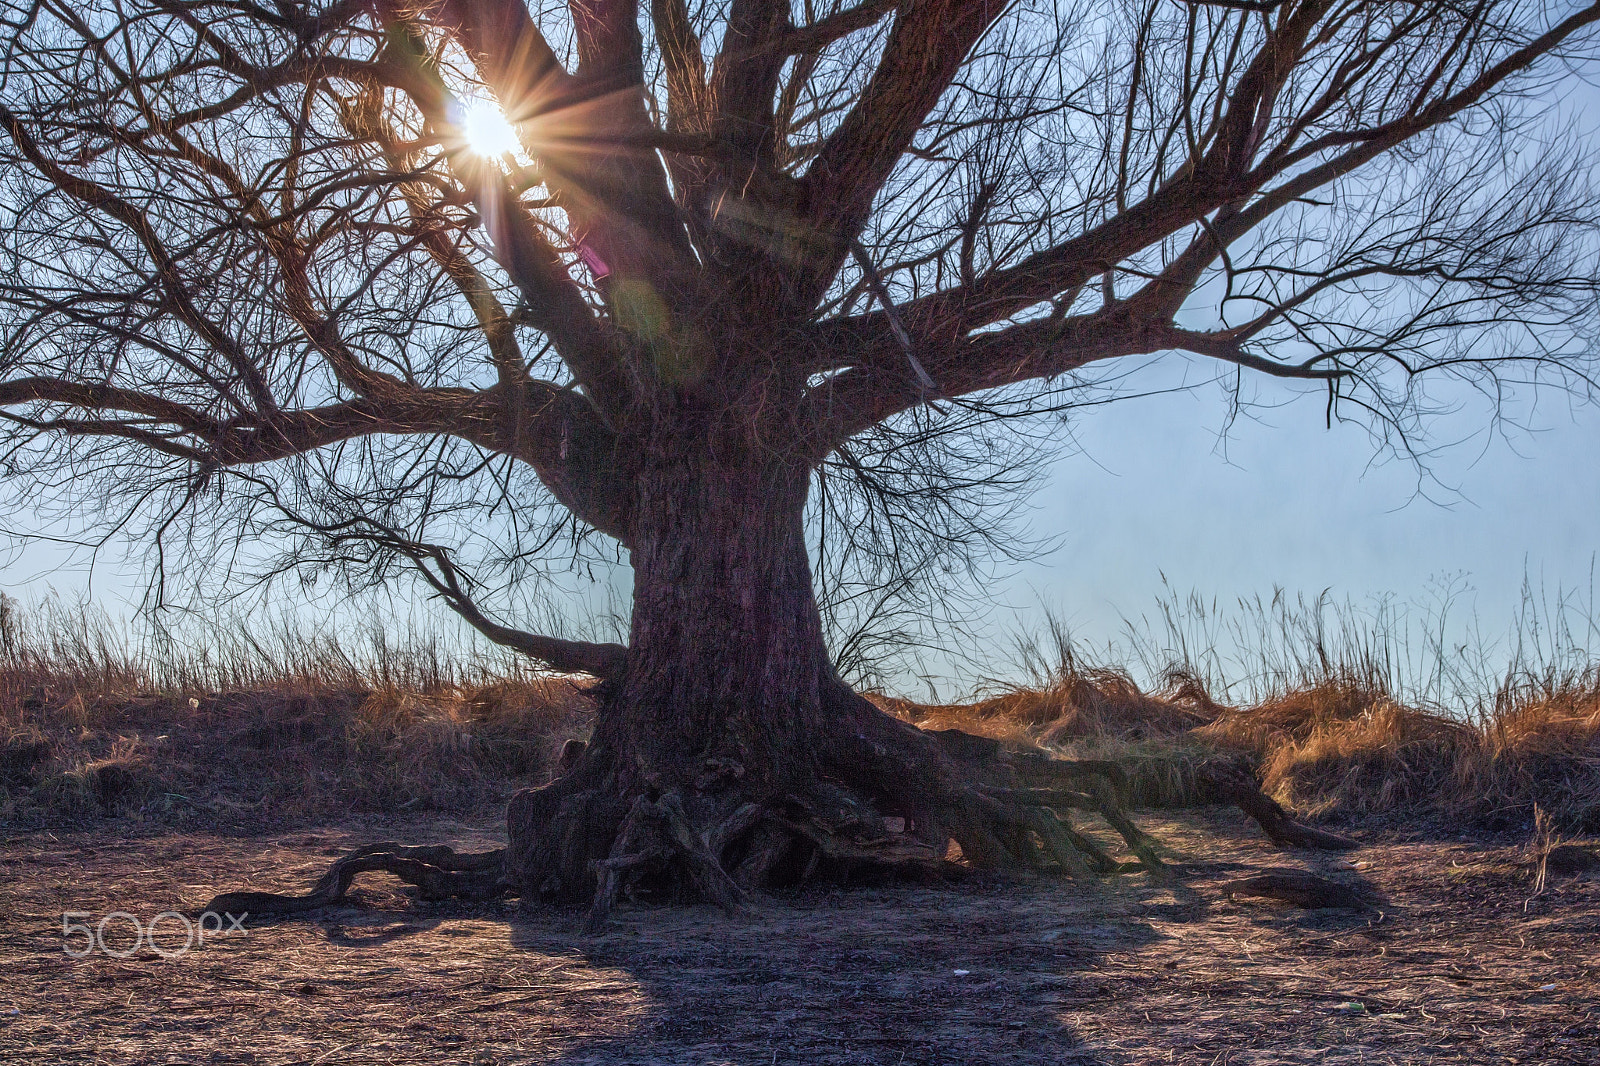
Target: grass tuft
283	728
261	733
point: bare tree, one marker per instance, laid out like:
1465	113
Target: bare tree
261	276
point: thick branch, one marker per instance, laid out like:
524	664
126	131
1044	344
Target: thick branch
874	390
1220	181
1167	291
568	656
814	37
925	50
554	303
434	565
554	430
589	142
244	439
511	53
684	64
744	80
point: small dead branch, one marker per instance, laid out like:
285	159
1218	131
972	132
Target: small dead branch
1298	887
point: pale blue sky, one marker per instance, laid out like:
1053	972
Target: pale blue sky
1154	488
1281	500
1156	494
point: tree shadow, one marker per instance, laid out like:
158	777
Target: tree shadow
960	974
1202	887
365	933
982	971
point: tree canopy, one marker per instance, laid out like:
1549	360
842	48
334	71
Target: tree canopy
276	273
251	249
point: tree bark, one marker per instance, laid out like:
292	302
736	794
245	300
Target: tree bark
728	755
726	663
721	704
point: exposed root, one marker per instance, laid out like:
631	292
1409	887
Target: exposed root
1038	770
1075	852
438	872
1100	802
1234	787
655	835
843	850
1108	783
631	852
892	802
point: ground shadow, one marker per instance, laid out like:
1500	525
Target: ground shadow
1115	971
369	936
972	973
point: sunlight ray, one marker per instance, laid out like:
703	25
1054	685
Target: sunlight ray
486	131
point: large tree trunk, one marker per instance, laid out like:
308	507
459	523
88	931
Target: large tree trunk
726	661
729	754
723	702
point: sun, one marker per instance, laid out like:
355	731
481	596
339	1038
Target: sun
486	131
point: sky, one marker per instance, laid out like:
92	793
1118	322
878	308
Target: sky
1167	495
1162	495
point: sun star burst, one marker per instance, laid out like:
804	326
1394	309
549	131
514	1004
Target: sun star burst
487	132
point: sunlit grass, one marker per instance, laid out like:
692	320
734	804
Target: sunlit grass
262	724
275	724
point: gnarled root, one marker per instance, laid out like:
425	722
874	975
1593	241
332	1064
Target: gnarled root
884	799
823	832
1235	787
655	835
438	873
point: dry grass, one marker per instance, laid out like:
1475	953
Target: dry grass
1342	747
1460	965
1097	703
292	731
1097	713
256	734
283	754
1349	748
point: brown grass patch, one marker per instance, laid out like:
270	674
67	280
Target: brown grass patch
302	730
286	754
1387	758
1350	749
1541	747
1342	747
1080	703
267	726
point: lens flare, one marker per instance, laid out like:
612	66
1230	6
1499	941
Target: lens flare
486	131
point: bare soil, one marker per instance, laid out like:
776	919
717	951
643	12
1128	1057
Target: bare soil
1458	962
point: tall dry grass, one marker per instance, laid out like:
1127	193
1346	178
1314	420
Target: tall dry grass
264	725
261	728
1338	714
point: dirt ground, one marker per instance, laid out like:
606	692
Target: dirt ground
1456	964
